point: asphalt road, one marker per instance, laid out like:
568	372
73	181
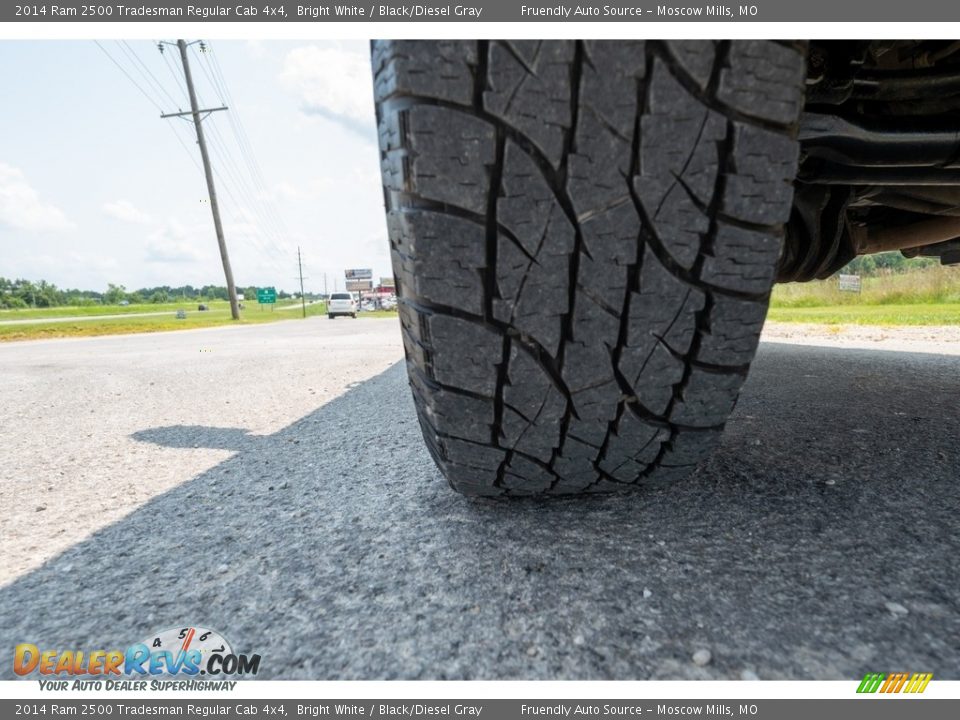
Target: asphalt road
819	542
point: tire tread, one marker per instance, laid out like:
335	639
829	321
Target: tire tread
584	236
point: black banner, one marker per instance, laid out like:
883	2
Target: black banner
873	708
637	11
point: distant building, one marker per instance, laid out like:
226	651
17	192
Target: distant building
387	286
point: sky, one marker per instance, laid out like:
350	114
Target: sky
95	188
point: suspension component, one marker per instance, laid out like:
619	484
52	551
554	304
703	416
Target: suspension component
868	239
817	244
883	142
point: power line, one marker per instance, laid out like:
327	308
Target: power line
213	83
248	183
184	146
129	77
173	73
143	69
152	101
153	84
236	176
266	254
222	147
267	218
270	233
235	184
243	142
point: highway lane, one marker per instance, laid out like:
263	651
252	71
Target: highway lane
819	542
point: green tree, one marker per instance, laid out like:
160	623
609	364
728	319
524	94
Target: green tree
27	292
114	294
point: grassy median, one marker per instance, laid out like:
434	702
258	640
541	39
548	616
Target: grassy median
189	306
218	314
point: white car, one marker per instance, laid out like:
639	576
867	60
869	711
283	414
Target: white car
341	304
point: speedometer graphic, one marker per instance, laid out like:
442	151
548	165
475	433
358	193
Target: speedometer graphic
186	650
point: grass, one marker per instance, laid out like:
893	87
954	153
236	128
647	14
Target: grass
92	310
927	296
934	285
218	315
908	314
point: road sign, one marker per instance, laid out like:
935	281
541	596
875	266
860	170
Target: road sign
359	285
850	283
266	296
358	274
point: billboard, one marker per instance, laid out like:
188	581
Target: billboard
359	285
358	274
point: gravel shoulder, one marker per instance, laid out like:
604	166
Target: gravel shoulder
936	339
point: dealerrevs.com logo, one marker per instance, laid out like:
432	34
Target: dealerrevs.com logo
166	660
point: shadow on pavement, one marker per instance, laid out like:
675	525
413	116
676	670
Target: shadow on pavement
819	542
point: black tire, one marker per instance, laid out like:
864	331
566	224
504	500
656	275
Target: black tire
330	317
584	236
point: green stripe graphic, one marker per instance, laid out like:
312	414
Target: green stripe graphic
870	683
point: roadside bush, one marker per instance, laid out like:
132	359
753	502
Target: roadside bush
12	302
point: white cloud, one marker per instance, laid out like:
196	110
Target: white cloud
126	211
173	244
331	82
21	206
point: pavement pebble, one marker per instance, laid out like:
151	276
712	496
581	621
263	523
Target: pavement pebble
702	657
896	608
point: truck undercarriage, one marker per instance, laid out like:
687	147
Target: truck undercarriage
880	155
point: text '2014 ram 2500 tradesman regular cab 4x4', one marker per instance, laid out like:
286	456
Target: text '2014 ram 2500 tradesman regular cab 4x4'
585	234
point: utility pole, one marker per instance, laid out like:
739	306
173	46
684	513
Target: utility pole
325	295
195	112
303	300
